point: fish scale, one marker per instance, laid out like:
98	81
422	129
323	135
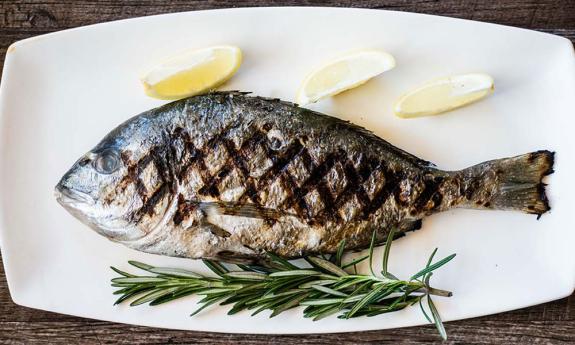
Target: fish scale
228	176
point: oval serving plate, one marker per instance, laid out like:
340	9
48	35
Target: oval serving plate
61	92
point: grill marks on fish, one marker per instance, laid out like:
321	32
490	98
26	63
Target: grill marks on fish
355	181
185	208
295	195
431	196
239	160
352	202
313	181
152	187
315	187
392	180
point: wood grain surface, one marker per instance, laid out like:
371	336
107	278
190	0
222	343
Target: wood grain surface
550	323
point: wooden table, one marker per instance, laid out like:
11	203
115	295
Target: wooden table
550	323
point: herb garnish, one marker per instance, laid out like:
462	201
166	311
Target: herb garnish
324	288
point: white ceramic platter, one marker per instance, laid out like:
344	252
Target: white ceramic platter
62	92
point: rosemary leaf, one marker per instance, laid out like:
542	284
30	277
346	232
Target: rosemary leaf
238	306
327	266
389	275
215	267
329	291
218	290
355	298
322	301
271	304
132	293
429	261
367	299
261	308
174	272
138	280
140	265
272	296
122	273
283	262
431	257
154	294
288	305
345	283
122	285
246	275
327	312
424	312
298	272
313	310
249	288
180	293
432	267
370	256
339	254
386	251
436	318
316	282
427	277
207	304
354	262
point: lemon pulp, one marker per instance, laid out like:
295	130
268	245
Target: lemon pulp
444	94
343	74
192	73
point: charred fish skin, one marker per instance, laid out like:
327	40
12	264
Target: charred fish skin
230	177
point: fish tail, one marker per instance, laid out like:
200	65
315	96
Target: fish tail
509	183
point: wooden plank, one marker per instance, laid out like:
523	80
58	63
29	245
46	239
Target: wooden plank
68	13
476	331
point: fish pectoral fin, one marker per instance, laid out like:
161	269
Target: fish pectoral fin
241	210
409	225
216	230
236	258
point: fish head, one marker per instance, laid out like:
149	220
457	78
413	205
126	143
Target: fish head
105	188
92	191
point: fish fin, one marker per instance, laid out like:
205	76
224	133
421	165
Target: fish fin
344	124
242	210
235	257
276	100
242	254
216	230
518	183
407	225
228	93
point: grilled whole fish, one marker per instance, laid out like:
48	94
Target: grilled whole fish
229	177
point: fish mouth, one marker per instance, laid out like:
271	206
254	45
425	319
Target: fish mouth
66	195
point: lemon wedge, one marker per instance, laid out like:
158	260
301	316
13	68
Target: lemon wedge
192	72
445	94
343	73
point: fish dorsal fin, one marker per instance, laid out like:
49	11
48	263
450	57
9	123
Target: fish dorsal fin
366	132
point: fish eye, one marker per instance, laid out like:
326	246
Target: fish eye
107	162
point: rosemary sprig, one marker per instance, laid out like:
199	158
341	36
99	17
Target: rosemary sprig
324	288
